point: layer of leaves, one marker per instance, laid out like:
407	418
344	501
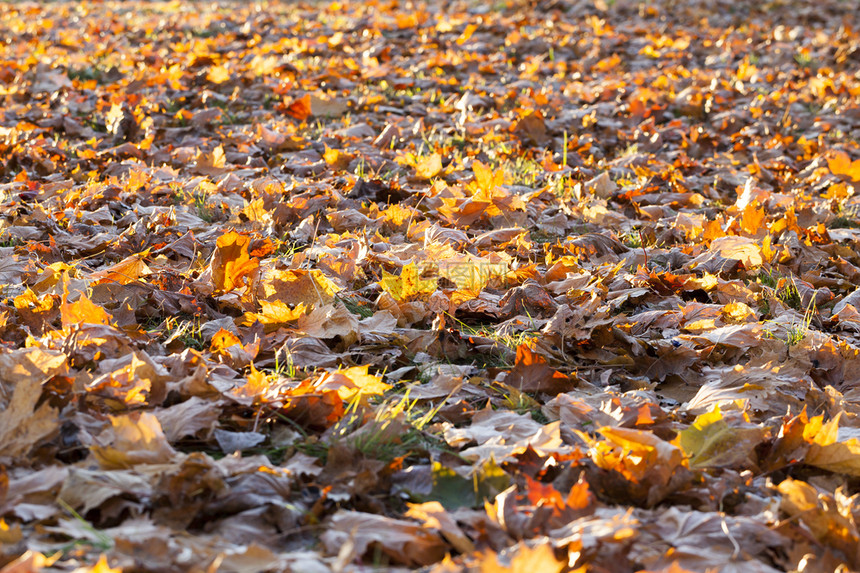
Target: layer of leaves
564	285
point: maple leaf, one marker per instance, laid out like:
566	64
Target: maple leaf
352	381
83	311
711	442
22	425
300	108
31	561
828	522
403	541
211	163
429	166
485	178
840	164
137	439
232	266
525	559
124	272
826	451
101	566
275	314
408	285
436	517
296	287
531	373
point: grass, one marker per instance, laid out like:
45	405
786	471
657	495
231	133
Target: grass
541	237
288	368
86	74
787	292
196	200
356	308
524	171
179	329
490	331
843	222
397	429
781	287
9	241
520	402
632	239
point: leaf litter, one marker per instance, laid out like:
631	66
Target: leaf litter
564	285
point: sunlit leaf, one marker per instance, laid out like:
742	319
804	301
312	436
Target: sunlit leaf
232	266
711	442
408	285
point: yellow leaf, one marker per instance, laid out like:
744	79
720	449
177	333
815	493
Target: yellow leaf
821	514
828	454
294	287
31	561
101	566
51	275
409	285
275	314
128	270
10	535
541	559
222	340
636	454
211	163
710	442
337	158
353	381
737	312
218	74
429	166
256	387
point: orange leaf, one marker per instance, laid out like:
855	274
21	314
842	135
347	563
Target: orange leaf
753	219
467	33
300	108
840	164
232	266
485	178
222	340
83	311
126	271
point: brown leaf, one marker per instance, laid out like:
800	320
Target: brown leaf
22	425
531	373
134	439
402	541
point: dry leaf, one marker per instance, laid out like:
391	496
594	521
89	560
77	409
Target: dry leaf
22	425
134	439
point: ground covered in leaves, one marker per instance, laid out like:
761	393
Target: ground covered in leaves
472	286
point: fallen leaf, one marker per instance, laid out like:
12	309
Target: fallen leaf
232	266
408	285
22	425
134	439
711	442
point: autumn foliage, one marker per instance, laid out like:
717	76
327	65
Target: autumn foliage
548	286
